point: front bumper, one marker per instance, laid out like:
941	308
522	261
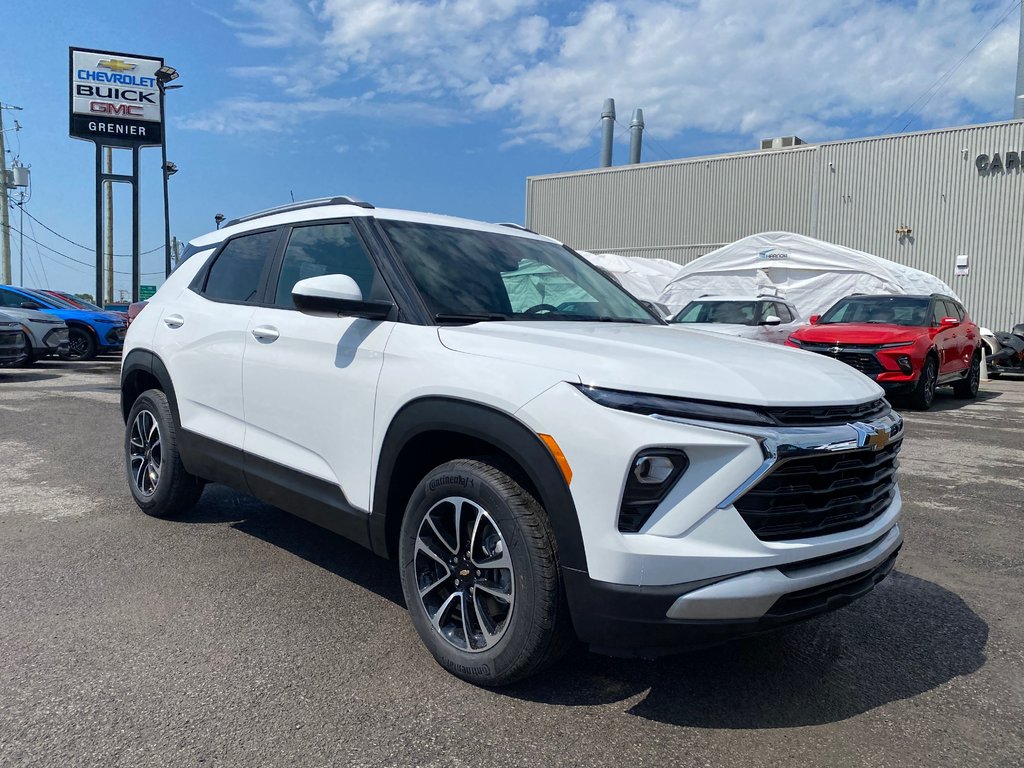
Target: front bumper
654	621
56	342
114	338
12	346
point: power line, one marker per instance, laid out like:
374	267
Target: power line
72	258
933	90
84	247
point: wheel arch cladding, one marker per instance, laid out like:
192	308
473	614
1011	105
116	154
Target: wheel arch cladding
144	370
429	431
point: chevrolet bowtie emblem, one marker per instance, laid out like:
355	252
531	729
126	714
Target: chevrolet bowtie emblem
116	65
878	439
464	573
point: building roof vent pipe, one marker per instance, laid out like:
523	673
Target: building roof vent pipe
607	132
636	135
1018	101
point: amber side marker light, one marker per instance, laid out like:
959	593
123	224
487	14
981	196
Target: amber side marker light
556	452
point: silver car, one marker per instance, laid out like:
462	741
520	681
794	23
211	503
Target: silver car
44	335
761	318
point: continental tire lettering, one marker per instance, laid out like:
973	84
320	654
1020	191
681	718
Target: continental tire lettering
459	480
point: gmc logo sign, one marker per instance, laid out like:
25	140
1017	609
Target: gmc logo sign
105	108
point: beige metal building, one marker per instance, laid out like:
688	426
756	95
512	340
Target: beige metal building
921	199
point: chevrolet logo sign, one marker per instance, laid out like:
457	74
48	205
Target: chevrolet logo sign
875	438
116	65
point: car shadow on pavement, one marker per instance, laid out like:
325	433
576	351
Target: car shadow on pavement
14	376
908	637
946	401
334	553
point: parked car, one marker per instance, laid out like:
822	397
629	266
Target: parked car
908	344
133	310
538	472
81	303
762	318
12	341
90	332
44	335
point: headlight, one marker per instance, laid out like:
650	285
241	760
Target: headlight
661	405
896	344
795	341
46	322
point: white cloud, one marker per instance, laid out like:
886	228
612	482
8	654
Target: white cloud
723	66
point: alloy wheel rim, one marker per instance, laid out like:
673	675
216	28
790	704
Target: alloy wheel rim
77	345
929	388
145	453
464	575
975	374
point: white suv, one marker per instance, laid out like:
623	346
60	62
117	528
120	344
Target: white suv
761	318
540	473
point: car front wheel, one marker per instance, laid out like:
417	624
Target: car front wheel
157	479
923	394
480	574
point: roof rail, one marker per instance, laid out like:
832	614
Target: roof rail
317	203
513	225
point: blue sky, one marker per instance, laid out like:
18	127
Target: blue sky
449	106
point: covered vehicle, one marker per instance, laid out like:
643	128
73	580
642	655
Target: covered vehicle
812	274
642	277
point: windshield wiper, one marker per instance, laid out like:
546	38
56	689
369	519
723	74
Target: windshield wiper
467	317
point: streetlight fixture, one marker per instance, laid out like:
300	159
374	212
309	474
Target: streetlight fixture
165	75
218	219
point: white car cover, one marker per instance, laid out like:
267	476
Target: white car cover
644	278
812	274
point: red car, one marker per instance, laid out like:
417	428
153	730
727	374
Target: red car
134	308
70	298
908	344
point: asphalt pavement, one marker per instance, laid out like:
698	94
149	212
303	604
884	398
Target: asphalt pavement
241	636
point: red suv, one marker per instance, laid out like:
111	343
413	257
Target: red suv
908	344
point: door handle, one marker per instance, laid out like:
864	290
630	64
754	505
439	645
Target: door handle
174	321
265	333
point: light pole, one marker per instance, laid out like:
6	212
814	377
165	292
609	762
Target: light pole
164	75
218	219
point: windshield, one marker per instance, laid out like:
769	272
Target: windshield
733	312
888	310
466	275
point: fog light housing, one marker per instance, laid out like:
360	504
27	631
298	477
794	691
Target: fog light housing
652	474
903	361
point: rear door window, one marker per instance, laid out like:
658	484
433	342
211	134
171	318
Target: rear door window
237	273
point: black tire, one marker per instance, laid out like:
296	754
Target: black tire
968	388
30	355
923	394
536	630
82	344
174	490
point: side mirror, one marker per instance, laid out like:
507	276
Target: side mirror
772	320
31	305
949	322
813	319
336	296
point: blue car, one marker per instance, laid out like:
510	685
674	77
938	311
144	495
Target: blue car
90	332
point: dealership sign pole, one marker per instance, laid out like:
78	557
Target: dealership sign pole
114	101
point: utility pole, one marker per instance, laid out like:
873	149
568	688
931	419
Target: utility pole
109	249
5	224
176	246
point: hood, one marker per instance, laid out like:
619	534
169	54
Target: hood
668	361
29	314
859	333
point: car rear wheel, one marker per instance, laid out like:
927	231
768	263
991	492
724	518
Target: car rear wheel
82	344
968	388
923	394
480	575
157	479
